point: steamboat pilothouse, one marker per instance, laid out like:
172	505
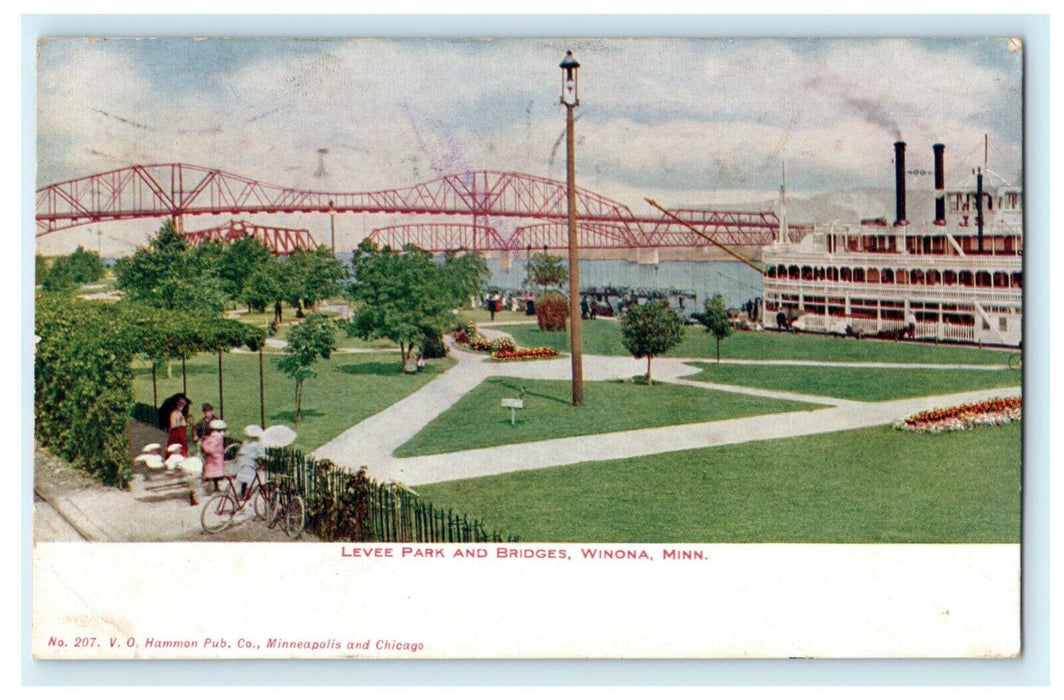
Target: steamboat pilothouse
958	278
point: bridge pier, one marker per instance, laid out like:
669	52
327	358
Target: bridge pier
506	259
647	256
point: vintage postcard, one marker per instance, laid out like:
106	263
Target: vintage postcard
509	348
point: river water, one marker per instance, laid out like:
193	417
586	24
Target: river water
736	282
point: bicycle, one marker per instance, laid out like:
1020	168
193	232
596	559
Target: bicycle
1016	360
219	510
287	507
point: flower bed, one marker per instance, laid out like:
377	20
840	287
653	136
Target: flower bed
523	354
469	336
502	349
464	332
943	420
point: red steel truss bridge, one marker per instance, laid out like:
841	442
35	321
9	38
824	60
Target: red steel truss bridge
483	198
281	241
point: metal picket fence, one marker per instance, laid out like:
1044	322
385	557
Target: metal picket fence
342	506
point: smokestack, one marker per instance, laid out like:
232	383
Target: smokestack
940	185
899	183
979	205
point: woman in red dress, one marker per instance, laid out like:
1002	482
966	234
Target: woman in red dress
173	417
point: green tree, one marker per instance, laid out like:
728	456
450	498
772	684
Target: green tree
650	330
168	274
547	270
402	296
85	266
238	262
313	276
59	277
313	339
40	267
69	271
263	287
715	319
463	276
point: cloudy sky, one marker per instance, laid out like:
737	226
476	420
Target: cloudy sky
685	121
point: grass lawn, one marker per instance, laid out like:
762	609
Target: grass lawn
348	389
608	407
877	485
263	320
480	315
603	337
858	384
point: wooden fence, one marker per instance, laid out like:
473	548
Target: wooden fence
342	506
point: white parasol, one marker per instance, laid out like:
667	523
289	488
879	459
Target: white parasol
278	436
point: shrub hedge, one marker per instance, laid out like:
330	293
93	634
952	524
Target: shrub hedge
552	311
83	378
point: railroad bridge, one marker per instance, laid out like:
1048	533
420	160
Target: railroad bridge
463	211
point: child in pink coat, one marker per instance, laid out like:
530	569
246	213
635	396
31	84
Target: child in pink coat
213	448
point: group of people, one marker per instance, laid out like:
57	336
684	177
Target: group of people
588	309
209	435
515	303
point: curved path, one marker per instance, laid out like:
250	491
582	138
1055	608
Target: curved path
371	442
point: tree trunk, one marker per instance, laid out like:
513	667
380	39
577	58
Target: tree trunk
299	401
649	382
184	377
154	385
262	392
221	388
718	351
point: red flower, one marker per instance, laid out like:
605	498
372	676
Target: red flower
965	412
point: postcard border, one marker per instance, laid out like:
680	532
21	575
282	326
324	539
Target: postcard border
1033	666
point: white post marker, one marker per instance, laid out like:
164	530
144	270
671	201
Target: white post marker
513	405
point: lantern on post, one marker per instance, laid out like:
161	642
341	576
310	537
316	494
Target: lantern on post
570	98
570	70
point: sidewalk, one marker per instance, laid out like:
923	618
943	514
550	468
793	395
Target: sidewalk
372	442
468	464
155	510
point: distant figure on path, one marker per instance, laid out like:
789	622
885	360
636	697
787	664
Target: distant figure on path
494	304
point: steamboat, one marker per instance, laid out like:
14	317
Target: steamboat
958	278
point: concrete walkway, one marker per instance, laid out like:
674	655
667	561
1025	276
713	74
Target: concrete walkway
371	442
141	514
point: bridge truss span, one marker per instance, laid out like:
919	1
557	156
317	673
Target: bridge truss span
439	237
482	197
282	241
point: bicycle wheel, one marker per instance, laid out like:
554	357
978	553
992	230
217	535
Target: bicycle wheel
218	513
296	517
276	509
262	501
